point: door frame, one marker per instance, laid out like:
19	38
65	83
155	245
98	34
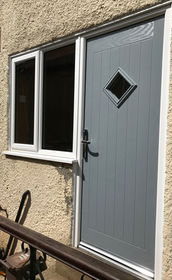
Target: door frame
150	13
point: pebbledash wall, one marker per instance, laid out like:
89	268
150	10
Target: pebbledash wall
26	24
167	232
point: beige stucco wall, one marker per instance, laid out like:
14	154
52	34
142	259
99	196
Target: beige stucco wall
167	251
26	24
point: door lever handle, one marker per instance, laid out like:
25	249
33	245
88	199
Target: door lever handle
85	142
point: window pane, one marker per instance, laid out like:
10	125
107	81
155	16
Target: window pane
119	86
24	102
58	96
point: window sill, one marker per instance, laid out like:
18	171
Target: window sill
40	156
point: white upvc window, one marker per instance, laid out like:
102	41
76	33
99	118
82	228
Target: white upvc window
44	103
24	102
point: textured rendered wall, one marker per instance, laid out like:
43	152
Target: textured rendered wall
28	23
167	254
25	24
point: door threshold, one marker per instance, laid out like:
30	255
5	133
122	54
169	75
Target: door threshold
125	265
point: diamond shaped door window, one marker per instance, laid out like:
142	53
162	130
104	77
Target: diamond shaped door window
119	87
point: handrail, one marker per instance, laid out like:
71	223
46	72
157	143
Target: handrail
74	258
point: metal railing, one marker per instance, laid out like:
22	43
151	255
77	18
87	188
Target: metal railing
86	264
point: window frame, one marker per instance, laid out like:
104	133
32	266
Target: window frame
14	61
35	150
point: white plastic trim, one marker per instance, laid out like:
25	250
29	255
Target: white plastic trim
140	271
76	95
25	57
15	148
39	156
78	169
75	117
40	109
162	144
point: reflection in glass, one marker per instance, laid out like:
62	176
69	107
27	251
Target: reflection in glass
119	85
58	98
24	102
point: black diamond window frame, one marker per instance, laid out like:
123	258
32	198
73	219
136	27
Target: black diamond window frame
119	101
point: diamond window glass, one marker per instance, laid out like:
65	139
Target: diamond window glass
119	87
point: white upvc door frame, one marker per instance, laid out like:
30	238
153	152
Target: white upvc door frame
165	82
138	17
78	165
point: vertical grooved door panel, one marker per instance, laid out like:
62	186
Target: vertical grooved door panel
120	173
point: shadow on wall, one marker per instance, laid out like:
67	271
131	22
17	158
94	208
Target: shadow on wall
67	177
64	170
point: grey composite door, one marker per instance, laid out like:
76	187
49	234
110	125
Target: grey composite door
122	107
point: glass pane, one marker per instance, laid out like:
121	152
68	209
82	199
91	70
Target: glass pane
24	102
58	97
119	86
